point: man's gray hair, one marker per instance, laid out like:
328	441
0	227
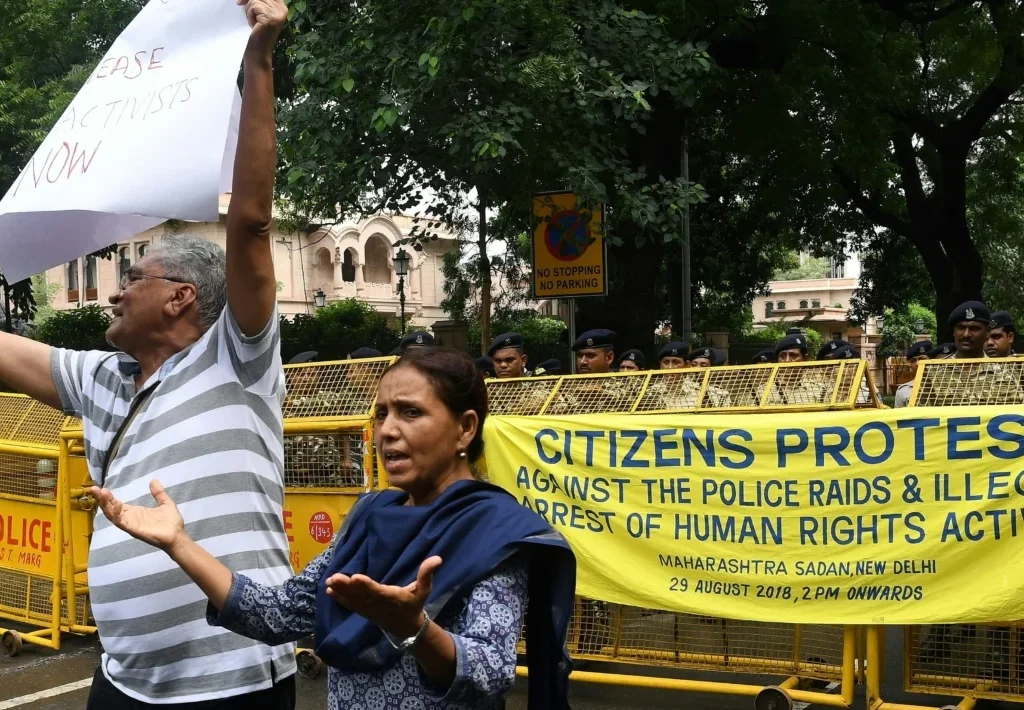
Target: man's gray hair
200	262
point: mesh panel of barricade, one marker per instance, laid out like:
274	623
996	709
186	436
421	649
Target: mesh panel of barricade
672	390
804	386
947	383
325	460
743	387
27	476
594	395
946	658
25	596
520	396
609	632
24	419
333	389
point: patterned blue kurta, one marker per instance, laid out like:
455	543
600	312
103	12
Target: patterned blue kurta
485	627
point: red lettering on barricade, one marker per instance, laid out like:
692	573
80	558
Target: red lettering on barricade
288	525
321	528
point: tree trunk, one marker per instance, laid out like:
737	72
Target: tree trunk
485	275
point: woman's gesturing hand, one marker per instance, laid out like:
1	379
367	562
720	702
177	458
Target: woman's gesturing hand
161	527
396	610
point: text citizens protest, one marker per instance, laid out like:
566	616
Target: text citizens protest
863	517
151	136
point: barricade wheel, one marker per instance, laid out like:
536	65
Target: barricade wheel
773	698
11	641
310	666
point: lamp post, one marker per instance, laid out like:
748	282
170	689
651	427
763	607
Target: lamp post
401	262
320	298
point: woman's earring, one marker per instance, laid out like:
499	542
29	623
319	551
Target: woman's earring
462	454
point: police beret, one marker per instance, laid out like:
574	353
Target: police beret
1003	319
919	349
942	351
846	352
303	358
598	338
363	353
796	341
506	340
485	365
397	351
763	357
971	310
418	337
719	357
700	353
548	367
636	356
676	348
830	347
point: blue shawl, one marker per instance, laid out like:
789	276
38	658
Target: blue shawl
474	527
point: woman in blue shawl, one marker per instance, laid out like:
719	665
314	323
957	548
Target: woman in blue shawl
420	600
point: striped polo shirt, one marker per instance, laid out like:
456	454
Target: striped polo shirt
211	432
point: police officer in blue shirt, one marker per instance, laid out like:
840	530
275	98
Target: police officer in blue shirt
595	351
508	356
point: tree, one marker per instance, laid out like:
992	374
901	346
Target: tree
47	49
794	269
899	331
500	98
336	330
77	329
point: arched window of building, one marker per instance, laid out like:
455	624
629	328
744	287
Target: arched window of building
323	270
348	266
378	260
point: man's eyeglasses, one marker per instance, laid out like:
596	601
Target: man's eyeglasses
129	277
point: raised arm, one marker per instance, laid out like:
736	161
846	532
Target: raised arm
25	367
252	285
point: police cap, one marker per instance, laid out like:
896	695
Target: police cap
943	351
718	357
1003	319
548	367
636	356
417	338
363	353
676	348
506	340
485	365
303	358
598	338
701	353
796	341
919	349
763	357
830	347
971	310
846	352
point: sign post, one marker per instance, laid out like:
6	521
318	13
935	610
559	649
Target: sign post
570	254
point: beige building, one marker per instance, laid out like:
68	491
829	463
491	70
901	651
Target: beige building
345	261
822	305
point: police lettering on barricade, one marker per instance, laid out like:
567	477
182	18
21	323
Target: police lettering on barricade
879	516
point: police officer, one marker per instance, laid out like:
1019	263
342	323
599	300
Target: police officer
364	354
792	348
844	352
673	355
764	357
917	354
632	361
552	366
507	356
970	325
595	351
701	357
484	366
1001	335
830	348
942	352
416	339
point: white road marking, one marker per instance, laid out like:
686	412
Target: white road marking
44	694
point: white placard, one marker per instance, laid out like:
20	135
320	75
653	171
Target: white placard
150	137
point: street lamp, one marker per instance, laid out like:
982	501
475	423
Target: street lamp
401	262
320	298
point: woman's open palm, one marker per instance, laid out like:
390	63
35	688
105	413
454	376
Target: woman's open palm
161	527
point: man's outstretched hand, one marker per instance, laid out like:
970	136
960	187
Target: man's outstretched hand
266	18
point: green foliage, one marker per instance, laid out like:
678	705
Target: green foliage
774	331
336	330
793	270
43	293
901	328
77	329
545	337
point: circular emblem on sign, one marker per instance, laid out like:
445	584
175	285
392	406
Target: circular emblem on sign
321	528
567	236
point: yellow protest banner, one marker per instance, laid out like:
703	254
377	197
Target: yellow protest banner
568	248
861	517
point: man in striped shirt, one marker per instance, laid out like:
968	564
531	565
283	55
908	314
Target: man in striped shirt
194	399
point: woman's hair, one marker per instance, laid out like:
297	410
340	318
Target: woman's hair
456	382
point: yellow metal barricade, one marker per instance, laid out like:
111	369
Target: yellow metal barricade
329	457
44	526
814	659
977	660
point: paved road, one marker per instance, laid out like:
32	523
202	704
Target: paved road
38	671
